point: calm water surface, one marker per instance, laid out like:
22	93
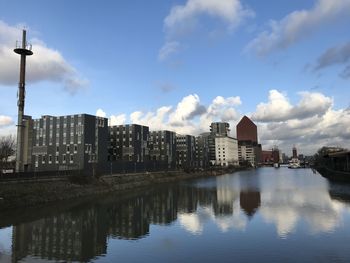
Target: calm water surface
264	215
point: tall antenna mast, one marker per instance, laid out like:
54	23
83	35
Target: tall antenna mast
23	50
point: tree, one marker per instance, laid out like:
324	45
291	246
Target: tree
7	149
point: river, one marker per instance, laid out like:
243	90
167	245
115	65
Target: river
263	215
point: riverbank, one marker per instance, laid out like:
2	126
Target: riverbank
36	193
333	175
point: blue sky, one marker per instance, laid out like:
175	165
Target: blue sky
181	64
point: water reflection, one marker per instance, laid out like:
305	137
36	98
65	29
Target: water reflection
231	202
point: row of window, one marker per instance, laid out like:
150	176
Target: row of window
49	159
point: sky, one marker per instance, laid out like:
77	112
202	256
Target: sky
182	64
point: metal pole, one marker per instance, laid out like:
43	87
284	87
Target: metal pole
23	51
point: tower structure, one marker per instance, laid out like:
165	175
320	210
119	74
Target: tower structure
295	154
247	130
24	50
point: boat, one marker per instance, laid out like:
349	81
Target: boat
294	163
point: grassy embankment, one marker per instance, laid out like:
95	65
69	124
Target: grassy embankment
34	193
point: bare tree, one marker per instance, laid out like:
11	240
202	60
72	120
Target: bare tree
7	149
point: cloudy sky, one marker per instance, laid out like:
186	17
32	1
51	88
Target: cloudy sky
182	64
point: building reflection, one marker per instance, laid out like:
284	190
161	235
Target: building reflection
82	232
70	237
249	202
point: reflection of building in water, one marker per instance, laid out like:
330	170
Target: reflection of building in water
225	197
187	200
163	206
68	237
128	220
250	202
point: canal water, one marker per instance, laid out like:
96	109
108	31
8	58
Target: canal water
263	215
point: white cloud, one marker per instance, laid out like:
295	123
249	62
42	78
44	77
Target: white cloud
46	63
168	49
5	121
278	108
155	120
188	108
189	116
231	11
297	25
309	124
182	19
117	119
100	113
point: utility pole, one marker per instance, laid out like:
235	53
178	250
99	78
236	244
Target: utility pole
23	50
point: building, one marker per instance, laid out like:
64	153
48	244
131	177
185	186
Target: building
216	129
220	129
185	151
73	142
223	149
128	143
162	148
246	154
249	150
295	153
202	150
226	151
267	157
247	130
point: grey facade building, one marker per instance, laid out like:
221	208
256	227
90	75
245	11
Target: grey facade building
220	129
217	129
73	142
162	148
129	143
185	151
202	150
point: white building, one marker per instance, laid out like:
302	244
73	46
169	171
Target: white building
246	153
226	151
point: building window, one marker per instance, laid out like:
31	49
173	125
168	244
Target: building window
75	148
68	148
50	158
44	159
63	158
57	159
71	158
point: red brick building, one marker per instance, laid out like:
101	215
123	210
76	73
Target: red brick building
247	130
248	148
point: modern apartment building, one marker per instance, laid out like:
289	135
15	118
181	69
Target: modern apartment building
202	150
220	129
246	154
73	142
185	151
129	143
162	148
226	151
223	149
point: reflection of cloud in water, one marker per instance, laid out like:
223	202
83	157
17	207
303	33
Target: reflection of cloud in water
194	222
235	221
285	202
285	199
